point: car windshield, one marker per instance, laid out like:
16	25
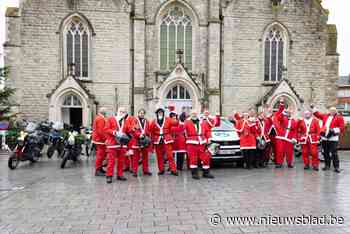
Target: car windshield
225	125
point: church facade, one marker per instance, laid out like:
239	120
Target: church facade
67	58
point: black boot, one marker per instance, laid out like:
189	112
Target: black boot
326	168
206	174
121	178
337	170
109	179
147	173
174	173
161	173
194	172
307	167
100	172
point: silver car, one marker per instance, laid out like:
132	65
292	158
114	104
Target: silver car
228	139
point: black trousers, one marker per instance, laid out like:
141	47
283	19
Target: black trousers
249	157
180	156
330	153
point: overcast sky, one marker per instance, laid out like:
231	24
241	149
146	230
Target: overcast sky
339	15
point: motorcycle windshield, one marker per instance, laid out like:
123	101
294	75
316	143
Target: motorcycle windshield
57	126
31	127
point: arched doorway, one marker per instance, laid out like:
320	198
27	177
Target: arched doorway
179	96
72	111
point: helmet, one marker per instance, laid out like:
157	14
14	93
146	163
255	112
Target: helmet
144	142
123	138
213	148
261	143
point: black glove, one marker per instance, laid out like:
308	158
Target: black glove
323	134
330	133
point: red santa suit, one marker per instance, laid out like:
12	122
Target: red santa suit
143	128
163	142
335	125
178	132
197	137
248	132
114	149
286	135
331	122
212	122
309	136
99	138
266	126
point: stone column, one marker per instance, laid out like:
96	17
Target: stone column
214	56
331	65
139	31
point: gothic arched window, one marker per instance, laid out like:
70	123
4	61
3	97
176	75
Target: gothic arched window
71	100
178	92
175	33
76	46
274	54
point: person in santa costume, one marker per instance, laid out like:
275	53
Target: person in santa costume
178	133
309	137
286	135
118	130
264	152
333	127
248	130
211	121
162	140
99	138
197	138
142	145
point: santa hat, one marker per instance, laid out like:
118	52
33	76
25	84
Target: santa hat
159	109
171	109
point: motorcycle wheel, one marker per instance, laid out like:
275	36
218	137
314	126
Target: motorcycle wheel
13	161
64	160
34	159
50	151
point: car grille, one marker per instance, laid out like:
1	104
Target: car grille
227	143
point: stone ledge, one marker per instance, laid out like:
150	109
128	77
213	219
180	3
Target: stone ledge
139	90
269	83
214	92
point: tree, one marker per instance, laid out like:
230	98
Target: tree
5	95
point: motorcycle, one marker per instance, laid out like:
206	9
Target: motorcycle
72	148
28	146
56	142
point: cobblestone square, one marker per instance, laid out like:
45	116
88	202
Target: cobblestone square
42	198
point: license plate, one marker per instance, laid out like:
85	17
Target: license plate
228	152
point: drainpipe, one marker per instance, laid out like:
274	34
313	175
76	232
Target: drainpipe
132	56
220	60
